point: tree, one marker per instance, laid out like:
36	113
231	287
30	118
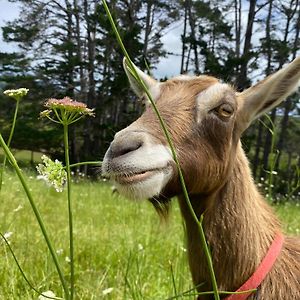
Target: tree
69	45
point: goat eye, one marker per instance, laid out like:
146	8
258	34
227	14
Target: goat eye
224	110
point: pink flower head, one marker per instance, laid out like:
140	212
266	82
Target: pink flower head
70	105
66	111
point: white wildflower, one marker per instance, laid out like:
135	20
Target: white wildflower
140	247
18	208
52	172
183	249
107	291
274	173
47	293
16	94
67	259
7	234
59	251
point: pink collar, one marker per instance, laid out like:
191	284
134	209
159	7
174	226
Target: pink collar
262	271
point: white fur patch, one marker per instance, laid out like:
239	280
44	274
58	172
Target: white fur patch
184	77
209	98
148	188
147	158
154	91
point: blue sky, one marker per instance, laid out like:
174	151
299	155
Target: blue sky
169	66
8	11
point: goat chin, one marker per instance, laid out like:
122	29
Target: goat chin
147	188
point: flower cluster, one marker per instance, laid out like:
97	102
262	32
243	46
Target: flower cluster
16	94
7	236
47	295
66	110
107	291
52	172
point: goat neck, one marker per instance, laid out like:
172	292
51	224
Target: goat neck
239	228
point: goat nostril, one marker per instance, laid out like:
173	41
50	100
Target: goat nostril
124	147
129	148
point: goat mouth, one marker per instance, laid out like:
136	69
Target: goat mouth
135	177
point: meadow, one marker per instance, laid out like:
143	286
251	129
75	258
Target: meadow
122	250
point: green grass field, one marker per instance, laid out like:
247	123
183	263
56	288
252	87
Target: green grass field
119	244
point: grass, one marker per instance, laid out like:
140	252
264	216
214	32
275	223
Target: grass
119	244
25	158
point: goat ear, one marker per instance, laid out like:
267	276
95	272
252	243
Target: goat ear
149	81
268	93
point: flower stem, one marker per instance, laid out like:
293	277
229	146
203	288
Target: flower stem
70	212
14	163
9	140
95	163
168	137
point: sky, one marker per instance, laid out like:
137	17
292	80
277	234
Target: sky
167	67
8	11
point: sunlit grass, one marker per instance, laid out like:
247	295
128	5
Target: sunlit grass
119	244
25	157
289	213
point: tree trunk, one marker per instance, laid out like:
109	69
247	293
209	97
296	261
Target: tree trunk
284	124
268	139
237	21
282	60
193	36
242	81
268	39
147	28
183	37
268	144
79	48
91	94
188	59
237	28
288	103
70	76
256	159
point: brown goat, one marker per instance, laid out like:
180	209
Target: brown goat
206	119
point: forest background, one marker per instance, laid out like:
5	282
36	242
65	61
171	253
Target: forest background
67	48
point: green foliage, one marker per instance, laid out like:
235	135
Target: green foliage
119	244
72	51
19	33
286	179
53	172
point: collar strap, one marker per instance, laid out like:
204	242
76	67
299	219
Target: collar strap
262	271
